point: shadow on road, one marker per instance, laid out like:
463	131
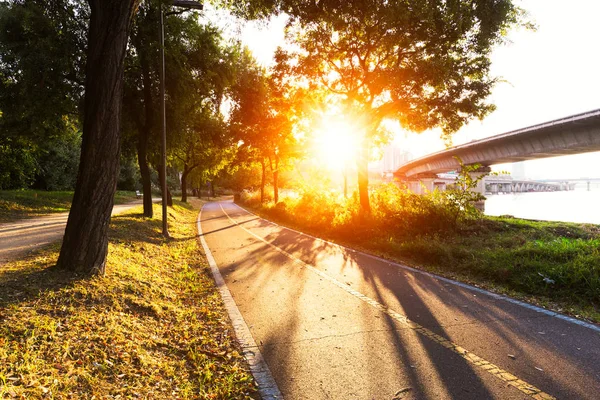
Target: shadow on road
416	296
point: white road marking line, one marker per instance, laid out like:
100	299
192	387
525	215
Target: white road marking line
267	387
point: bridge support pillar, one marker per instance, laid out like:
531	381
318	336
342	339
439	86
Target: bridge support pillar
427	185
480	188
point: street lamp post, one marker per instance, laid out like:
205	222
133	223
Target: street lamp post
186	5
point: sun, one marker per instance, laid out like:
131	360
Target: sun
336	143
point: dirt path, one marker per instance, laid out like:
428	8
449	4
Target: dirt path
20	237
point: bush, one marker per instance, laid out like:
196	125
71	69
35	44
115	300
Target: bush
59	162
404	213
394	211
17	164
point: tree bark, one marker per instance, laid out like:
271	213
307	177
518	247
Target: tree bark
184	176
276	180
262	181
168	194
145	131
142	151
346	180
85	244
362	164
169	198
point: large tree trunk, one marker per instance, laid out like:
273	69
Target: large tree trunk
85	243
262	181
362	164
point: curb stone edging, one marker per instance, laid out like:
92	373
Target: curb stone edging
267	387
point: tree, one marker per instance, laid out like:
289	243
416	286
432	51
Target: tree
85	243
41	66
42	56
141	93
204	147
198	72
249	95
424	63
263	116
284	111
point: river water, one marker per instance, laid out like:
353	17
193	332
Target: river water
578	205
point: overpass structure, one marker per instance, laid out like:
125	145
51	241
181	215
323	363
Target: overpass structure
575	134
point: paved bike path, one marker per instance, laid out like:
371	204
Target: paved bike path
334	323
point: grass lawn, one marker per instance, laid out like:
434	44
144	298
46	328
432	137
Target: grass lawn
16	204
552	264
154	327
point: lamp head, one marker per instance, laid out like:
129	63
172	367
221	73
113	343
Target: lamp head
191	4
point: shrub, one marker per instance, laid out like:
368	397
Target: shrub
394	212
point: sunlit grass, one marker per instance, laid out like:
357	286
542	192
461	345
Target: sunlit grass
153	327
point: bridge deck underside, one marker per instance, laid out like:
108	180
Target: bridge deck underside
563	139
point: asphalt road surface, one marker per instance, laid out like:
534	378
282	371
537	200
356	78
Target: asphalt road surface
332	323
22	236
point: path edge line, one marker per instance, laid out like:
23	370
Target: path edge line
267	387
497	296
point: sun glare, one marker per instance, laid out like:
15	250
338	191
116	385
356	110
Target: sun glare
336	144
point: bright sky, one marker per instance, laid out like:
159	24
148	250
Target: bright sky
551	73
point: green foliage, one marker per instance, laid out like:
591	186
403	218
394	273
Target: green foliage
461	199
199	69
42	57
395	211
265	114
424	63
49	165
41	70
59	162
241	176
17	163
129	175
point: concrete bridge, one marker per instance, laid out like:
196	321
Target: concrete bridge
576	134
571	135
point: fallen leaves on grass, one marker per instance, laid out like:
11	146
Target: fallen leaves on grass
154	327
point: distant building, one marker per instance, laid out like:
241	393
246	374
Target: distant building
393	158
